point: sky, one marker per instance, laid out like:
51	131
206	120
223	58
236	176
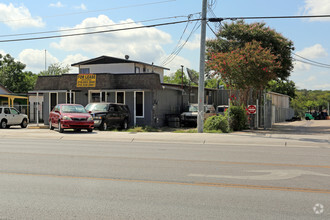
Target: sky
167	45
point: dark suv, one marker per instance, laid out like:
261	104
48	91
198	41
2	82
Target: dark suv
107	115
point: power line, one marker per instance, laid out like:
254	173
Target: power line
177	47
91	27
173	55
92	11
212	29
96	32
269	17
312	61
312	64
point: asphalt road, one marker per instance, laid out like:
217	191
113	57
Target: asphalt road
109	175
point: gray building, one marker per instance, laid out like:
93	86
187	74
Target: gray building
108	79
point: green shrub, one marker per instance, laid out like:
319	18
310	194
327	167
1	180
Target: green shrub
238	118
218	123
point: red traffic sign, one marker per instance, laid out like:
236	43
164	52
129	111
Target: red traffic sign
252	109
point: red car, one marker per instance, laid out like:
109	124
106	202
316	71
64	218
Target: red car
70	116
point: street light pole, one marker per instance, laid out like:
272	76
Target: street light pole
200	116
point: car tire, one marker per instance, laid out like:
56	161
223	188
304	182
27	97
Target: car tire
60	129
104	126
51	126
124	126
89	130
3	124
24	123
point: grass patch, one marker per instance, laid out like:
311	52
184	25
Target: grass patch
143	129
192	130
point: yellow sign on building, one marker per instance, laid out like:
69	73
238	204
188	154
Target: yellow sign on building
86	80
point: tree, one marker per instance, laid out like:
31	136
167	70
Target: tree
236	34
176	78
13	77
283	87
306	100
55	69
245	68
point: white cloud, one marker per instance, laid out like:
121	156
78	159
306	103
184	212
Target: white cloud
311	78
56	5
323	86
18	17
35	59
194	43
140	44
81	7
176	63
2	52
314	52
317	7
71	59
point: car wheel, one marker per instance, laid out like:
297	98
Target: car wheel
3	124
24	123
51	126
89	130
125	125
60	129
104	126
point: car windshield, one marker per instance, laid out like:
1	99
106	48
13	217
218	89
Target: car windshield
97	107
193	108
73	109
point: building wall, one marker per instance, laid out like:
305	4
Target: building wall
45	109
167	101
110	68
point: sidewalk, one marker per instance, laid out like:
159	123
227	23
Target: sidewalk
37	126
283	134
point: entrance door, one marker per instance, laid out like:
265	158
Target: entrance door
53	98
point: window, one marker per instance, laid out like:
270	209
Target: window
84	70
57	108
120	97
73	100
14	111
137	69
98	96
139	104
0	110
6	111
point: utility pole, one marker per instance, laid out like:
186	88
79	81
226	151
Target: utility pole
45	60
181	76
200	116
182	106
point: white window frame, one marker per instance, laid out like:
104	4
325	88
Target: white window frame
135	116
124	96
97	91
73	94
